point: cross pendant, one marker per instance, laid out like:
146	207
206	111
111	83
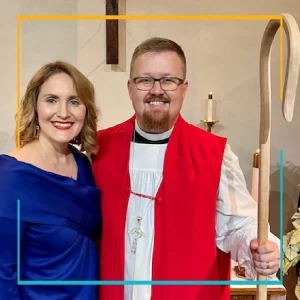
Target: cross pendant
136	233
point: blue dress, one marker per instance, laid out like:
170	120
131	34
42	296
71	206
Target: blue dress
60	223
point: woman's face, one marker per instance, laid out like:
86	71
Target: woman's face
60	113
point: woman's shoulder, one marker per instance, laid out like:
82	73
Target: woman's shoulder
16	153
23	154
12	158
17	164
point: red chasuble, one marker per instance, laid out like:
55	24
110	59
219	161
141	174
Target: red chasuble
185	213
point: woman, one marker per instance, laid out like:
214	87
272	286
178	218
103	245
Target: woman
59	205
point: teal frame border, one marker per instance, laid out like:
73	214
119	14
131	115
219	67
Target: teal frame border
158	282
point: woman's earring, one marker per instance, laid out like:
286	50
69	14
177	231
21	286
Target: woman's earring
37	129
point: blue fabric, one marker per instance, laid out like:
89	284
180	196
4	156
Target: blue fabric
60	223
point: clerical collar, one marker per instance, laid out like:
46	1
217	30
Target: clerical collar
143	137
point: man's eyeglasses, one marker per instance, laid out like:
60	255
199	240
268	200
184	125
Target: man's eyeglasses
166	83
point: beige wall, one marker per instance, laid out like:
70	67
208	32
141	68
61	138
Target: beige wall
222	58
41	41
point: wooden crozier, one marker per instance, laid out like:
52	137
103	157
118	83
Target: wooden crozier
289	94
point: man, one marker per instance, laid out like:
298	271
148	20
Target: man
174	200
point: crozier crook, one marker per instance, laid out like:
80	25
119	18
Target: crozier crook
289	94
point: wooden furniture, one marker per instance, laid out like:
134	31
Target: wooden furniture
248	292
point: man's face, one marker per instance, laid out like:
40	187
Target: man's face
157	109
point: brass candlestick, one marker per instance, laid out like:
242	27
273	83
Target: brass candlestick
209	124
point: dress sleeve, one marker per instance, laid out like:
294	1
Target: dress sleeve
236	223
9	289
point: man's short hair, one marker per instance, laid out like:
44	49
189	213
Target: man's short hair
157	45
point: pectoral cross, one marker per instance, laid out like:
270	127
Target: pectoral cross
136	233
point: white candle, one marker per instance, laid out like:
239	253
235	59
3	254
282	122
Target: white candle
209	107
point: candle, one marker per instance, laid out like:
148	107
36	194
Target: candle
209	107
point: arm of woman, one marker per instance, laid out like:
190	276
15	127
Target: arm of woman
9	289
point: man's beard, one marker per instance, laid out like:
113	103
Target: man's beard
155	121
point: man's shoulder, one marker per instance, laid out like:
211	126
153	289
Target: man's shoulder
109	130
109	136
115	129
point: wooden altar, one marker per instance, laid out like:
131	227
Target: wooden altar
248	292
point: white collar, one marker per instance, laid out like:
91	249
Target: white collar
153	136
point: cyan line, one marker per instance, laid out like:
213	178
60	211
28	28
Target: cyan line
281	213
18	242
151	282
169	282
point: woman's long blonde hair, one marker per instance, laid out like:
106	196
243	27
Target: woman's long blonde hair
86	93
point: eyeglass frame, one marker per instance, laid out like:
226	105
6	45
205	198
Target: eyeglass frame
181	81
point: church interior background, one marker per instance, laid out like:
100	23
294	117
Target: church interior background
222	58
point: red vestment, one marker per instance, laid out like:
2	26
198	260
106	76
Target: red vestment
184	216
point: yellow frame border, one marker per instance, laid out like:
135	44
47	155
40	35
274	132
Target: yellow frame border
136	17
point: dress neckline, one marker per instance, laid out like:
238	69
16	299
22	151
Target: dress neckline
75	153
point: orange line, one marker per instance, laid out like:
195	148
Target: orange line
135	17
149	17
